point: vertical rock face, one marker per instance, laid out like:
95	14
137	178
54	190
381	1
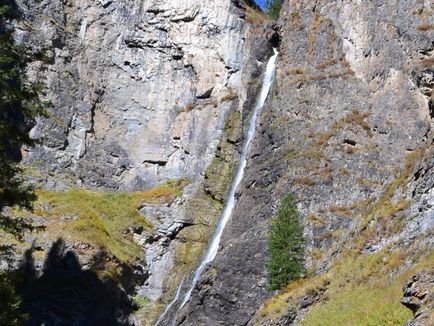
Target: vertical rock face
136	88
345	131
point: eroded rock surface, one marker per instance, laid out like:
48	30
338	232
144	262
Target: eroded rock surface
419	298
136	89
346	130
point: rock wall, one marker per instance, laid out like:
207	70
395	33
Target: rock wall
347	130
139	89
140	92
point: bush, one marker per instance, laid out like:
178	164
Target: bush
286	245
10	301
274	7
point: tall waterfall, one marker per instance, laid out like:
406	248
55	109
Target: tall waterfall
181	299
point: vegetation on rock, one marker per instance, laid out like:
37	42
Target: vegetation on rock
274	7
286	245
103	218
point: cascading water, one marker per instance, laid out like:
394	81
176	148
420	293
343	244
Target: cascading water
230	203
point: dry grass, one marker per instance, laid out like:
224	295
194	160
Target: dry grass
295	71
102	218
230	96
358	290
304	181
256	17
358	118
425	27
386	206
315	219
311	39
427	62
187	108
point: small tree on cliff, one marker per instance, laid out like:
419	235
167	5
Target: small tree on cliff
285	245
274	7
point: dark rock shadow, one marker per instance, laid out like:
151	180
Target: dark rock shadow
64	294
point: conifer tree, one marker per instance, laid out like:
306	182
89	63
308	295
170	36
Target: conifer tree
19	105
285	245
274	7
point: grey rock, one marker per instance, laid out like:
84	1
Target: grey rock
418	296
122	76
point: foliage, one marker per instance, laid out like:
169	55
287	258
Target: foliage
10	301
286	245
19	105
274	7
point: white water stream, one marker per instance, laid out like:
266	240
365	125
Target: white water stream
230	203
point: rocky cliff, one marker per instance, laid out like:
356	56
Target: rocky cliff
348	132
141	93
139	89
147	91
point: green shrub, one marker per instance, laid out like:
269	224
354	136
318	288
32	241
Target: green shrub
286	245
274	7
10	301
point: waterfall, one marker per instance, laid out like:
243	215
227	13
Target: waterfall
230	202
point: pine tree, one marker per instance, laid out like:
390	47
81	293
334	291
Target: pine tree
19	105
274	7
286	245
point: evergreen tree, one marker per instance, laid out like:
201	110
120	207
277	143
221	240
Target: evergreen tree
10	302
286	245
19	105
274	7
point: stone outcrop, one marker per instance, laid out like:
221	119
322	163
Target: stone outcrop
419	298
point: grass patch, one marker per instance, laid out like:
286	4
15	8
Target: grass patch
256	17
304	181
358	290
101	218
363	306
425	27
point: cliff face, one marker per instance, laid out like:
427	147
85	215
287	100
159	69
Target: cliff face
141	93
136	89
348	132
